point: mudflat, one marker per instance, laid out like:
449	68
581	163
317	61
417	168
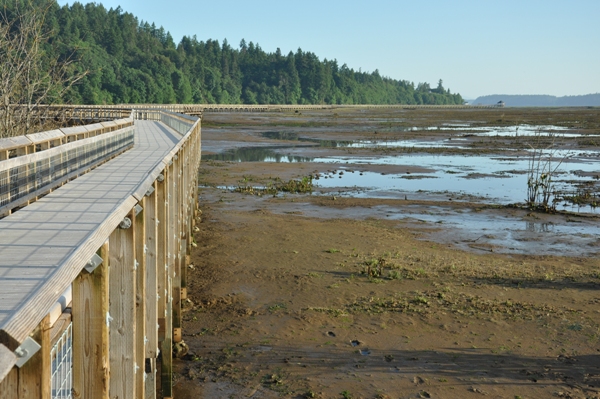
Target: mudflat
383	292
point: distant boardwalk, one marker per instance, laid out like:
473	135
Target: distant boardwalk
92	112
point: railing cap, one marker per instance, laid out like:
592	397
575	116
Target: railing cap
42	137
70	131
108	124
10	143
93	127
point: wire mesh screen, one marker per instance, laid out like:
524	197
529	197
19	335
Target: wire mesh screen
61	357
23	180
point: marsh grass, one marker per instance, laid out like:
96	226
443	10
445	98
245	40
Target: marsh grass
542	167
276	186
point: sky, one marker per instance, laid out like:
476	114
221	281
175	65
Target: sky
477	47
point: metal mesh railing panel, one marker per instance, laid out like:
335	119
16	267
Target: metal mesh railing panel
61	357
23	180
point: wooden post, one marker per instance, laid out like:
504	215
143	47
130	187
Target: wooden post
90	331
165	332
122	311
151	294
140	301
32	380
175	231
167	344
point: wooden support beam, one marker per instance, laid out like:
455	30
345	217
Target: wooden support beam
150	215
150	370
122	282
140	301
175	230
32	380
165	332
90	310
161	252
167	343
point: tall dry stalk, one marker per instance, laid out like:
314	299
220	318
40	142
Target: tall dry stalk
30	75
542	167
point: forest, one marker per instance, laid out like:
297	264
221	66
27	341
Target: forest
125	60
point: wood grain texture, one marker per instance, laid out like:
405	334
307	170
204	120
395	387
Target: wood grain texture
32	375
151	276
140	300
122	329
91	370
150	378
161	252
9	385
41	137
7	361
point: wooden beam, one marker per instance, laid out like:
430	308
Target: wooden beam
175	230
9	386
167	343
90	308
150	215
140	301
7	361
122	282
34	376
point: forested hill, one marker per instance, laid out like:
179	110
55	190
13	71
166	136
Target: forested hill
132	61
587	100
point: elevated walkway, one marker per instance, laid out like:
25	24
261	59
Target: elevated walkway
42	242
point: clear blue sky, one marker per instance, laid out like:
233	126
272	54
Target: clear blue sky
477	47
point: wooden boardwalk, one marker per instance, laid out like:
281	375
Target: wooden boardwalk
44	244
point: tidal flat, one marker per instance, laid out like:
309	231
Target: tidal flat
414	240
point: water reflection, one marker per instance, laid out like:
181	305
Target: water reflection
292	136
496	179
254	154
539	227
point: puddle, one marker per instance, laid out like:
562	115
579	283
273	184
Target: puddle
561	237
355	343
365	352
496	180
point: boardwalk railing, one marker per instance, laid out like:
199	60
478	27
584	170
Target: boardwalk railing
35	164
103	321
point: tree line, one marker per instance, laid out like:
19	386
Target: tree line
124	60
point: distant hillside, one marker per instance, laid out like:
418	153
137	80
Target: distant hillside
132	61
588	100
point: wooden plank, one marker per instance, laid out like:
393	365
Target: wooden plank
91	367
122	282
151	295
9	385
150	213
140	300
43	137
150	378
161	272
11	143
32	373
7	361
167	342
176	247
45	354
